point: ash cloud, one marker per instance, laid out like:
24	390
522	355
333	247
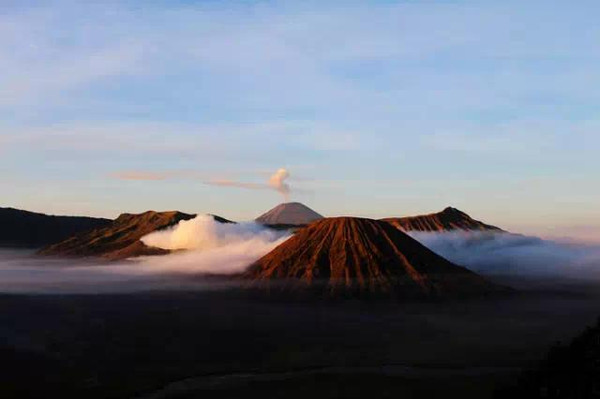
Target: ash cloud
515	255
277	181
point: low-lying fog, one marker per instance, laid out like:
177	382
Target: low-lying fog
202	247
515	255
205	247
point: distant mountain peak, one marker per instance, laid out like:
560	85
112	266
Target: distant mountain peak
451	209
289	213
450	219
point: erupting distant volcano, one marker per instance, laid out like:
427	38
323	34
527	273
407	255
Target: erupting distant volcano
358	255
289	213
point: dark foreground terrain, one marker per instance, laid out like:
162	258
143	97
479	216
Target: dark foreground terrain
225	344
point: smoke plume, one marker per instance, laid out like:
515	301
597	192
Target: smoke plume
277	181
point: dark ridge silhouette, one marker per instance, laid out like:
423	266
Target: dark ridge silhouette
290	228
448	220
569	371
289	214
220	219
121	239
24	229
349	255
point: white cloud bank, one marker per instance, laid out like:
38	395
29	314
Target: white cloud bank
205	247
210	247
512	254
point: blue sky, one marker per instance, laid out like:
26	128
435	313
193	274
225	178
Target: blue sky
378	109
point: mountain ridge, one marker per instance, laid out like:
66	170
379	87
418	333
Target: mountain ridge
122	238
26	229
450	219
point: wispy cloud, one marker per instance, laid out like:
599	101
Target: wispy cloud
257	56
140	175
277	181
525	137
473	142
237	184
42	62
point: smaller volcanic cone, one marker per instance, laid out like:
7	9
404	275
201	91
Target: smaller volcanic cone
354	255
290	214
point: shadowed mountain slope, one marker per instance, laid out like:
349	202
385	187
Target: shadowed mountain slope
448	220
358	255
20	228
290	214
121	239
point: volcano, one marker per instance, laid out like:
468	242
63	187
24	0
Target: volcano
121	239
450	219
289	214
354	255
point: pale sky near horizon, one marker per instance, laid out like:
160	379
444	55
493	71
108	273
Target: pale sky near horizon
375	108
